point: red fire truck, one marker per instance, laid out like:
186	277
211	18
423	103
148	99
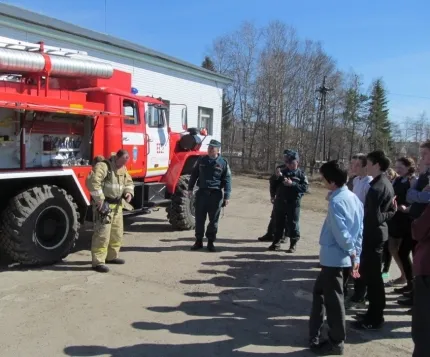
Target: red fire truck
58	111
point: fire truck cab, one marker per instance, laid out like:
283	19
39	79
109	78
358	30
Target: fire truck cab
58	111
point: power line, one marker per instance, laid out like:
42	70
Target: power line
409	95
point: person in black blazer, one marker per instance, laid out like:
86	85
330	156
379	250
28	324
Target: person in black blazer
379	207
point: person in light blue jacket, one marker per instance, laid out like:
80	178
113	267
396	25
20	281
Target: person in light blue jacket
340	247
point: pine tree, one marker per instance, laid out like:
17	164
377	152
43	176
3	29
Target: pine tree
380	126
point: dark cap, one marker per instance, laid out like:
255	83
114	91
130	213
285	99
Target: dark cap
291	155
215	143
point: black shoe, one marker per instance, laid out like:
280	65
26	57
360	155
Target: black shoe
115	261
283	240
211	247
266	238
406	302
274	247
403	289
197	245
292	248
327	348
367	325
360	316
314	343
408	294
101	268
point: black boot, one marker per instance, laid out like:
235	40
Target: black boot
197	245
292	248
211	247
115	261
266	238
101	268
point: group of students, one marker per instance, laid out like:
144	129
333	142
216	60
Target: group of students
369	220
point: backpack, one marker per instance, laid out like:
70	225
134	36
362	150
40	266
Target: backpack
91	173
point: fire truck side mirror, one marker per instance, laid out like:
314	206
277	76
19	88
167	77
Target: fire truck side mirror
184	119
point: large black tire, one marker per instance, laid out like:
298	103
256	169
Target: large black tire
39	226
180	213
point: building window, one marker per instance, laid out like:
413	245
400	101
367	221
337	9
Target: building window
155	117
206	119
130	110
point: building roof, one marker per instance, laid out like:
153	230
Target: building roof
22	14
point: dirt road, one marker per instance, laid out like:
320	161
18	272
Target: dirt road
168	301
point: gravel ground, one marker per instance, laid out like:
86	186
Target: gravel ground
168	301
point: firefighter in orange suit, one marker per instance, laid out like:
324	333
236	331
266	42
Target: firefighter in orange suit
111	189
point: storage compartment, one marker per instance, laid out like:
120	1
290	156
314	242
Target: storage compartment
51	139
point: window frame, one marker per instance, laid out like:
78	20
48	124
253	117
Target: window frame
164	118
136	117
200	116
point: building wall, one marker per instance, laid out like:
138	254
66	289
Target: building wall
169	84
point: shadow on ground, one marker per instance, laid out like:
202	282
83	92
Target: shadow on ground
263	307
139	224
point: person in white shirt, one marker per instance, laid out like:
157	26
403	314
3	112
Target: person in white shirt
361	185
362	181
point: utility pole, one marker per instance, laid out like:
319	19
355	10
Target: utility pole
322	99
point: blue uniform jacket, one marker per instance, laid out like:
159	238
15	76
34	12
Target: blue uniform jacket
211	173
290	193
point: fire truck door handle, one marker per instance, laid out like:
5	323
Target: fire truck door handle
148	147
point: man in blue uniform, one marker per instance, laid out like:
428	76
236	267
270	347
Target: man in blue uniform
212	174
290	186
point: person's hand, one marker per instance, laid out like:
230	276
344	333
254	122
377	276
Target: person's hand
99	205
427	188
287	181
354	272
395	203
190	193
272	200
278	172
402	208
128	197
225	203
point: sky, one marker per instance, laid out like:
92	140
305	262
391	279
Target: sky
379	38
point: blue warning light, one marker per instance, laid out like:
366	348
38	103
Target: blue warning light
134	90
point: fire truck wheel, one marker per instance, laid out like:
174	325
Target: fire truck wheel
39	226
180	213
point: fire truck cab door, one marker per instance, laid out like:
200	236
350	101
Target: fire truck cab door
133	137
158	147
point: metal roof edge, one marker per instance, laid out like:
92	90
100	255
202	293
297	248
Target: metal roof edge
66	27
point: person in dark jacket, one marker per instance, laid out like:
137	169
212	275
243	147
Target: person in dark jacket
379	207
289	187
399	228
420	195
213	176
270	234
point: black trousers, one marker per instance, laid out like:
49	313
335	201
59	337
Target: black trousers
346	274
406	248
208	204
328	300
370	270
271	226
287	215
421	316
386	258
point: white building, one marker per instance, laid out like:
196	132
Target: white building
153	73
